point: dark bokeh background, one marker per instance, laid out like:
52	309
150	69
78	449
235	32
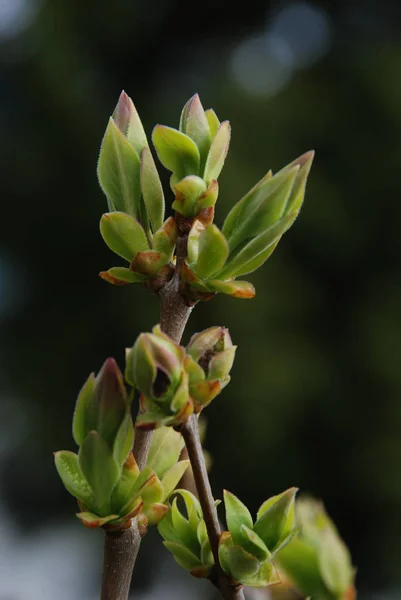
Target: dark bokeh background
315	394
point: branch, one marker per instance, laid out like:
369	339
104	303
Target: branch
121	548
120	552
174	314
190	433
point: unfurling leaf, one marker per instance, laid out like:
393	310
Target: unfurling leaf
176	151
152	190
123	234
119	171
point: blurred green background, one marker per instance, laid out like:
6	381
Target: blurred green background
315	393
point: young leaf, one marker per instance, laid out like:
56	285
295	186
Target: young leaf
212	252
72	477
218	152
237	515
187	191
164	450
127	120
176	151
259	209
118	171
192	506
121	276
123	234
186	533
266	576
300	562
100	469
184	557
151	491
173	476
253	544
125	490
208	198
298	191
149	262
108	404
237	289
92	521
275	522
257	250
124	439
213	121
152	190
165	238
334	562
80	423
194	123
155	513
238	563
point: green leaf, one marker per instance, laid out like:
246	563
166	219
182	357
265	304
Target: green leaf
176	151
79	423
206	553
125	491
218	152
300	562
155	513
298	191
165	238
72	477
121	276
108	405
100	469
202	532
334	562
127	120
186	534
259	209
152	190
123	234
118	171
237	562
164	450
213	121
173	476
212	252
184	557
124	439
151	491
266	576
187	191
208	198
255	252
276	519
193	507
167	529
237	515
194	123
236	289
92	521
253	544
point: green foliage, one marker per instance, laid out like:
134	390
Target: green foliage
104	476
246	550
317	561
185	535
174	384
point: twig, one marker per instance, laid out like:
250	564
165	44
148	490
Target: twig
174	314
190	433
121	548
120	552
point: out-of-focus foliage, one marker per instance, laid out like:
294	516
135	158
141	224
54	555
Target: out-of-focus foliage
315	394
